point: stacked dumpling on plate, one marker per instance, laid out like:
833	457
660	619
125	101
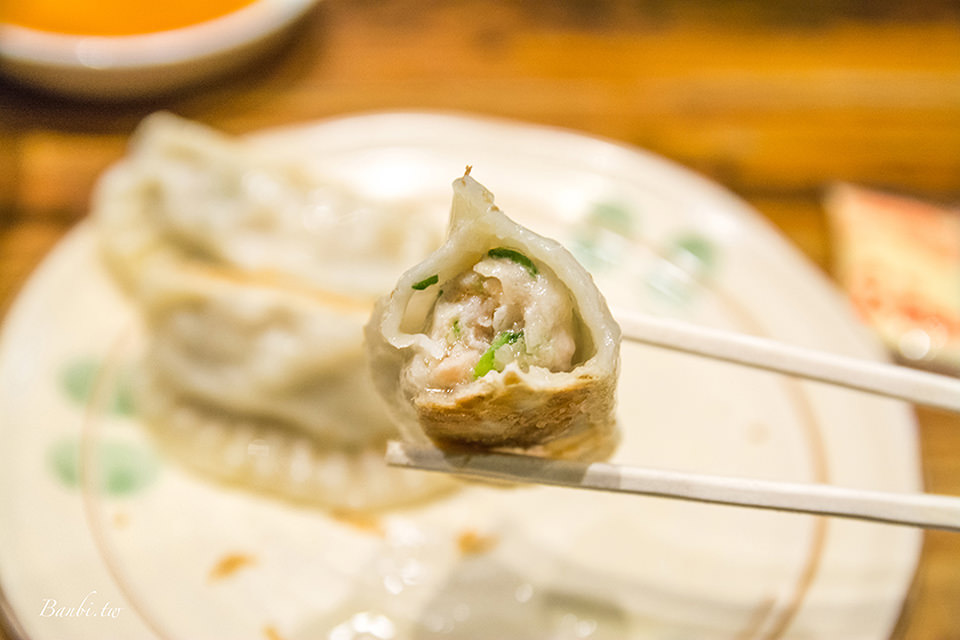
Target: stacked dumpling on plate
255	278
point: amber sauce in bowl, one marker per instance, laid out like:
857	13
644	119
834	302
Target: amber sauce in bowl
114	17
116	49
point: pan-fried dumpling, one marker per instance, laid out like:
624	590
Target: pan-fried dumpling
499	339
255	279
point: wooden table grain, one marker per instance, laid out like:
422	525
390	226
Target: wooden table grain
774	100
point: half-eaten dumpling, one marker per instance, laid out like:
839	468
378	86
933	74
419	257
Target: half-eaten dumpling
499	339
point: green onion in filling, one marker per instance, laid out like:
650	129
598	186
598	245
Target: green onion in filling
485	363
516	256
426	282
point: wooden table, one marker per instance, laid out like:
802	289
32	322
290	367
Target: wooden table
773	100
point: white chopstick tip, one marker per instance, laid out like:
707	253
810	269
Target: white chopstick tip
414	455
396	455
919	510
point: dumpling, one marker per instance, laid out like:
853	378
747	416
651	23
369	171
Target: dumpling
255	279
499	339
189	194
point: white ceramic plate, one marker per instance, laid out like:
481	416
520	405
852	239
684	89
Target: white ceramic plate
153	551
109	67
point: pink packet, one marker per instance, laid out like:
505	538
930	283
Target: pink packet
899	261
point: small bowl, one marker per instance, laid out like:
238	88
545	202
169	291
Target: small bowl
142	65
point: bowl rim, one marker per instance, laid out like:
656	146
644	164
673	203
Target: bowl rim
94	52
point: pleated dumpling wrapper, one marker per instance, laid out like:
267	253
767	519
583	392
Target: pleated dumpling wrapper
498	340
254	275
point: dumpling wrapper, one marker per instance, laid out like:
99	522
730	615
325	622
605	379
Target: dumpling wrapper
250	309
254	279
189	194
546	399
255	453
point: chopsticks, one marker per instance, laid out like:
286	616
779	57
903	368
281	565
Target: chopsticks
928	511
914	509
893	381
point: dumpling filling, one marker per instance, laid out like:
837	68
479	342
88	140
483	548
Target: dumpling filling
503	311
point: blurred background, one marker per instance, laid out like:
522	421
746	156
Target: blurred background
774	100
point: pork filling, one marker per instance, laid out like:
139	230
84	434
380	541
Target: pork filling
503	310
